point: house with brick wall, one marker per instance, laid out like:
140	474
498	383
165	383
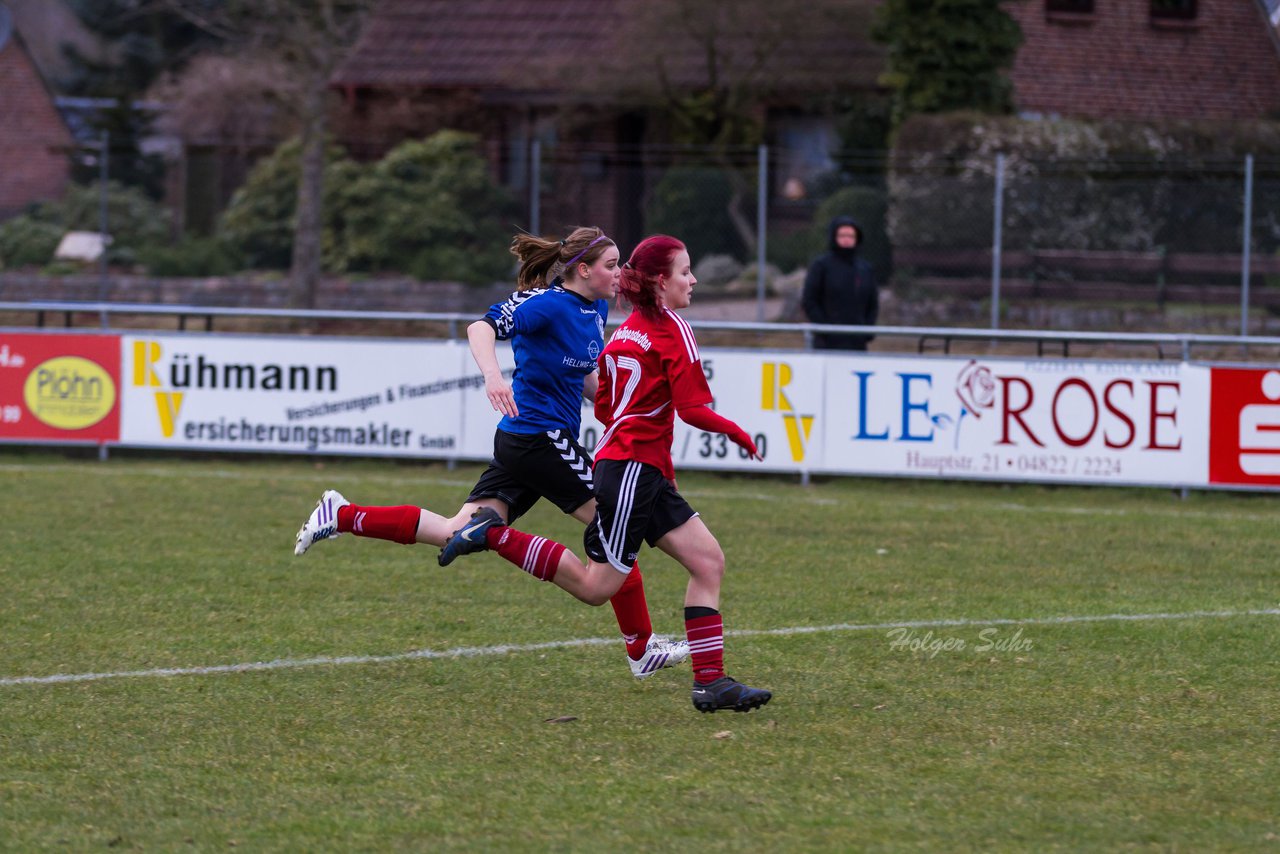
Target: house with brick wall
499	68
519	71
1148	60
34	140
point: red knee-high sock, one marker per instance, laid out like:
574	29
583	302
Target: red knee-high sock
536	555
632	611
398	524
705	630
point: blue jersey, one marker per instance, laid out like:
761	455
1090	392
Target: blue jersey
556	336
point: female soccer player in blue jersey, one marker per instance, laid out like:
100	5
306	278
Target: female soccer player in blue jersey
556	329
651	372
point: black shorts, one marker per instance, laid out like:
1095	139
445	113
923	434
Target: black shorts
634	502
529	466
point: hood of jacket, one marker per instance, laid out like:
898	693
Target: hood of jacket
831	236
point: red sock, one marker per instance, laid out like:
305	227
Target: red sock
537	556
632	611
706	645
398	524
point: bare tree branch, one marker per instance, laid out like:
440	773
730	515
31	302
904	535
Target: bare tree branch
310	37
713	67
200	15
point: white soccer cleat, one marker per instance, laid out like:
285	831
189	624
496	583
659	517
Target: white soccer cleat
322	524
659	653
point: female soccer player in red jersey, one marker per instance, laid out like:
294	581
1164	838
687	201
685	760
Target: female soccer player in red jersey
556	330
649	372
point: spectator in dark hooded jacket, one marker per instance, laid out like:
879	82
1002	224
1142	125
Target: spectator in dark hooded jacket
841	289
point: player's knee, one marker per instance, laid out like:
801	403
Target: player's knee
708	566
603	582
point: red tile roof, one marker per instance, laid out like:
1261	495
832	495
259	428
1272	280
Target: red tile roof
475	44
532	44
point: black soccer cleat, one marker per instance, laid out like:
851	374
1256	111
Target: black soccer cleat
471	536
726	693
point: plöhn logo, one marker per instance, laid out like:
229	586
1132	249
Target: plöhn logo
69	393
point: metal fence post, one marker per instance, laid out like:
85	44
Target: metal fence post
997	239
1248	234
104	174
762	216
535	187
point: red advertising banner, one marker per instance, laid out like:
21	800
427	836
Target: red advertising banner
1244	426
60	387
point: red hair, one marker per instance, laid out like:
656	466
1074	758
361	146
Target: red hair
650	260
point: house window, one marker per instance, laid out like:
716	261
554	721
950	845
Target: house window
1080	7
805	144
1176	10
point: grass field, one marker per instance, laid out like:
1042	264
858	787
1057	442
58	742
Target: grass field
1069	733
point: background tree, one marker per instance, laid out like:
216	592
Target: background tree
140	42
137	223
242	101
428	208
310	38
229	111
713	68
947	55
261	219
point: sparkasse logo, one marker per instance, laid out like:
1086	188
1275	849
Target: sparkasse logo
1244	427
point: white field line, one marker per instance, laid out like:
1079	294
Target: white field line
219	474
508	649
798	497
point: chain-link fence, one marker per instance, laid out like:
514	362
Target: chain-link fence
1105	231
1002	229
995	233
